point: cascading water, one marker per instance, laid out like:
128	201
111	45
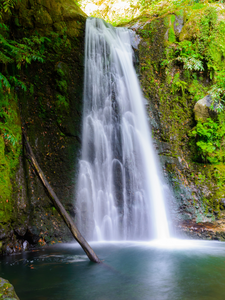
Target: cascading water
119	194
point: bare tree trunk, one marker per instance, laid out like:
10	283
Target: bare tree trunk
67	219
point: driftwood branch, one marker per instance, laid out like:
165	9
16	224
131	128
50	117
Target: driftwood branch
67	219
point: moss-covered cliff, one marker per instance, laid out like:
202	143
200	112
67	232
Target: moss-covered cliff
47	102
181	57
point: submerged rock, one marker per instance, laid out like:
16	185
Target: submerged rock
203	109
7	290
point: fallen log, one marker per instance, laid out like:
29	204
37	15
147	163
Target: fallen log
67	219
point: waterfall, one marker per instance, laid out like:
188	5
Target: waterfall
119	192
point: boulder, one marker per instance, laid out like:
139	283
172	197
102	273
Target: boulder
203	110
7	290
44	16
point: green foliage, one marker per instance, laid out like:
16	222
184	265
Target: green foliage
217	90
4	82
62	85
178	85
191	63
60	73
17	83
171	35
22	52
61	101
19	53
6	6
15	53
9	127
186	53
10	150
14	56
209	138
203	51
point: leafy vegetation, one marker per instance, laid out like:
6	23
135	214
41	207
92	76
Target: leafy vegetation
200	51
217	90
16	54
205	52
210	138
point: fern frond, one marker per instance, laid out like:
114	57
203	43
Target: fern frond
4	82
5	59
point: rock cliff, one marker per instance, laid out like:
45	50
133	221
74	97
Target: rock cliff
50	111
173	46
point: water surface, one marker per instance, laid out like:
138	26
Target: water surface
134	271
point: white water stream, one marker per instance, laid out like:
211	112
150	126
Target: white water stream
119	193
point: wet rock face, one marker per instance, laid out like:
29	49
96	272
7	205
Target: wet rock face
7	290
51	113
206	230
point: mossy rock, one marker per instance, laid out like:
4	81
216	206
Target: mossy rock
42	17
45	16
7	290
203	110
190	30
62	69
5	185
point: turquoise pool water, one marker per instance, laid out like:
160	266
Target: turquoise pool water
131	271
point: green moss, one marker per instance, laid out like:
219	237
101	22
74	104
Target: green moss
7	291
180	13
62	86
5	185
196	89
172	19
10	151
171	35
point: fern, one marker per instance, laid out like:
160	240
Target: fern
4	27
5	59
217	91
191	63
16	82
7	5
4	82
209	137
